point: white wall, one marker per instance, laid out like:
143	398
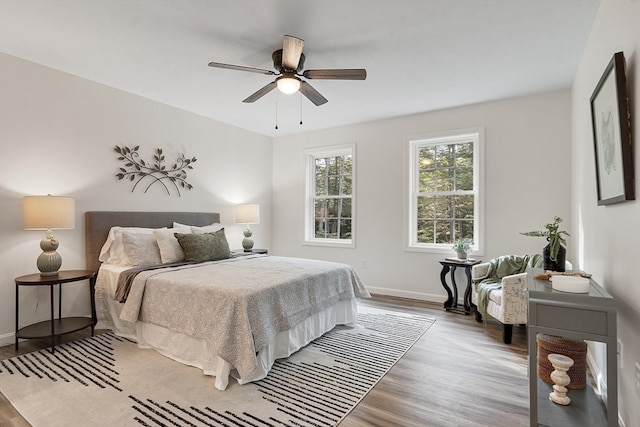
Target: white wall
57	134
609	236
527	177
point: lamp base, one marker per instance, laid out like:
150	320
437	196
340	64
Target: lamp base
52	274
247	242
49	261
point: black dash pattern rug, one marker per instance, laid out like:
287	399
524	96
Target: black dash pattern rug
108	381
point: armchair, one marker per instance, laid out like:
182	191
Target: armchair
498	290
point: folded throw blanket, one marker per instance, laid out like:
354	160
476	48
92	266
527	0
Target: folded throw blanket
125	279
501	267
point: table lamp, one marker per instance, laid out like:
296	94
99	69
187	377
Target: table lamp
48	213
247	214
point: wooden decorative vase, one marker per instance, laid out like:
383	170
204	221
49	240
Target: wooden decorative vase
560	378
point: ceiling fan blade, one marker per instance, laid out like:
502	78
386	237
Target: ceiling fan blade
241	68
260	92
340	74
313	95
291	51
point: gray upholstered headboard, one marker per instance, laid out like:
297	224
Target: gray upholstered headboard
97	225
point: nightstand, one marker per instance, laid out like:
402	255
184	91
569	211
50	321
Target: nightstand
451	304
241	252
62	325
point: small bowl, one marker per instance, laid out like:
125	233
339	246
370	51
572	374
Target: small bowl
574	284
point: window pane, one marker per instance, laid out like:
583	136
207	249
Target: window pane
463	206
444	156
348	165
321	165
443	207
427	157
332	208
334	165
443	231
427	180
332	228
426	205
425	231
346	209
464	179
463	230
347	185
321	187
444	180
345	228
464	155
320	227
320	208
333	185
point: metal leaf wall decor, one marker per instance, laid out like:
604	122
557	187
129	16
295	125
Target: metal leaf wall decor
155	172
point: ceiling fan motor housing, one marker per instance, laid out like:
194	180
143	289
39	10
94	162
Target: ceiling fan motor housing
277	63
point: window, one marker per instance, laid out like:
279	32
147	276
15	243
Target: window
329	206
444	189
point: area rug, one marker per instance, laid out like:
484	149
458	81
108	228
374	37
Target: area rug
108	381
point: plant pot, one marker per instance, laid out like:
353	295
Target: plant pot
462	255
558	264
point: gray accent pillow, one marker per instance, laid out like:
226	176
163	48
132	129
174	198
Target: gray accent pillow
204	247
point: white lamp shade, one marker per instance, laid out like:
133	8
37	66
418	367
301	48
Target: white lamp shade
248	214
45	212
288	85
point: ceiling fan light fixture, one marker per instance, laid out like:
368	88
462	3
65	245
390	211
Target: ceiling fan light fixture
288	84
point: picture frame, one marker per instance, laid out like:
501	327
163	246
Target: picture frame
610	119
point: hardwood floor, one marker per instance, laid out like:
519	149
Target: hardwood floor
458	374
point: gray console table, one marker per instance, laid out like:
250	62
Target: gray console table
589	316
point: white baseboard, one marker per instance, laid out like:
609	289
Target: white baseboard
7	339
408	294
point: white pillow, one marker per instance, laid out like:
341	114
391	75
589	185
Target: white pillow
112	251
141	249
206	229
211	228
170	250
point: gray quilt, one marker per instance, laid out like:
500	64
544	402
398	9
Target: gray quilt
239	305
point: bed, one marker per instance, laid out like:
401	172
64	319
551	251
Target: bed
230	317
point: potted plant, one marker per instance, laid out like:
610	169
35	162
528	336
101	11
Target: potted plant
462	247
555	252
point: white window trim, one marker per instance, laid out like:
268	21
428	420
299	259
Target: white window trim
309	225
410	223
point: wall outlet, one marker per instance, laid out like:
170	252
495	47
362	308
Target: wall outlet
363	263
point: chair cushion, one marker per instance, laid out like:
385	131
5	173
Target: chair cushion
496	296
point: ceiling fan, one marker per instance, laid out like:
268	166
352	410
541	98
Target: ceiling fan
289	63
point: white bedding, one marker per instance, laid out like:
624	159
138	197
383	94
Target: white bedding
195	351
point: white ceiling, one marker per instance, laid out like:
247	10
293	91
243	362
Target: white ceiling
419	55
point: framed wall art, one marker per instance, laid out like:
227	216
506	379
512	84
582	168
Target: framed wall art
610	119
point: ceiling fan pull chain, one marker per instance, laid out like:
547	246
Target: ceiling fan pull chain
300	109
276	113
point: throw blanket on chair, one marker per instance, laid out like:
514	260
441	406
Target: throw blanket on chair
501	267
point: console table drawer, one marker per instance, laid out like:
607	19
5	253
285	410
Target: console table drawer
573	319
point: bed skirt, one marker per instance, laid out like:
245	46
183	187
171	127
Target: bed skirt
195	352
